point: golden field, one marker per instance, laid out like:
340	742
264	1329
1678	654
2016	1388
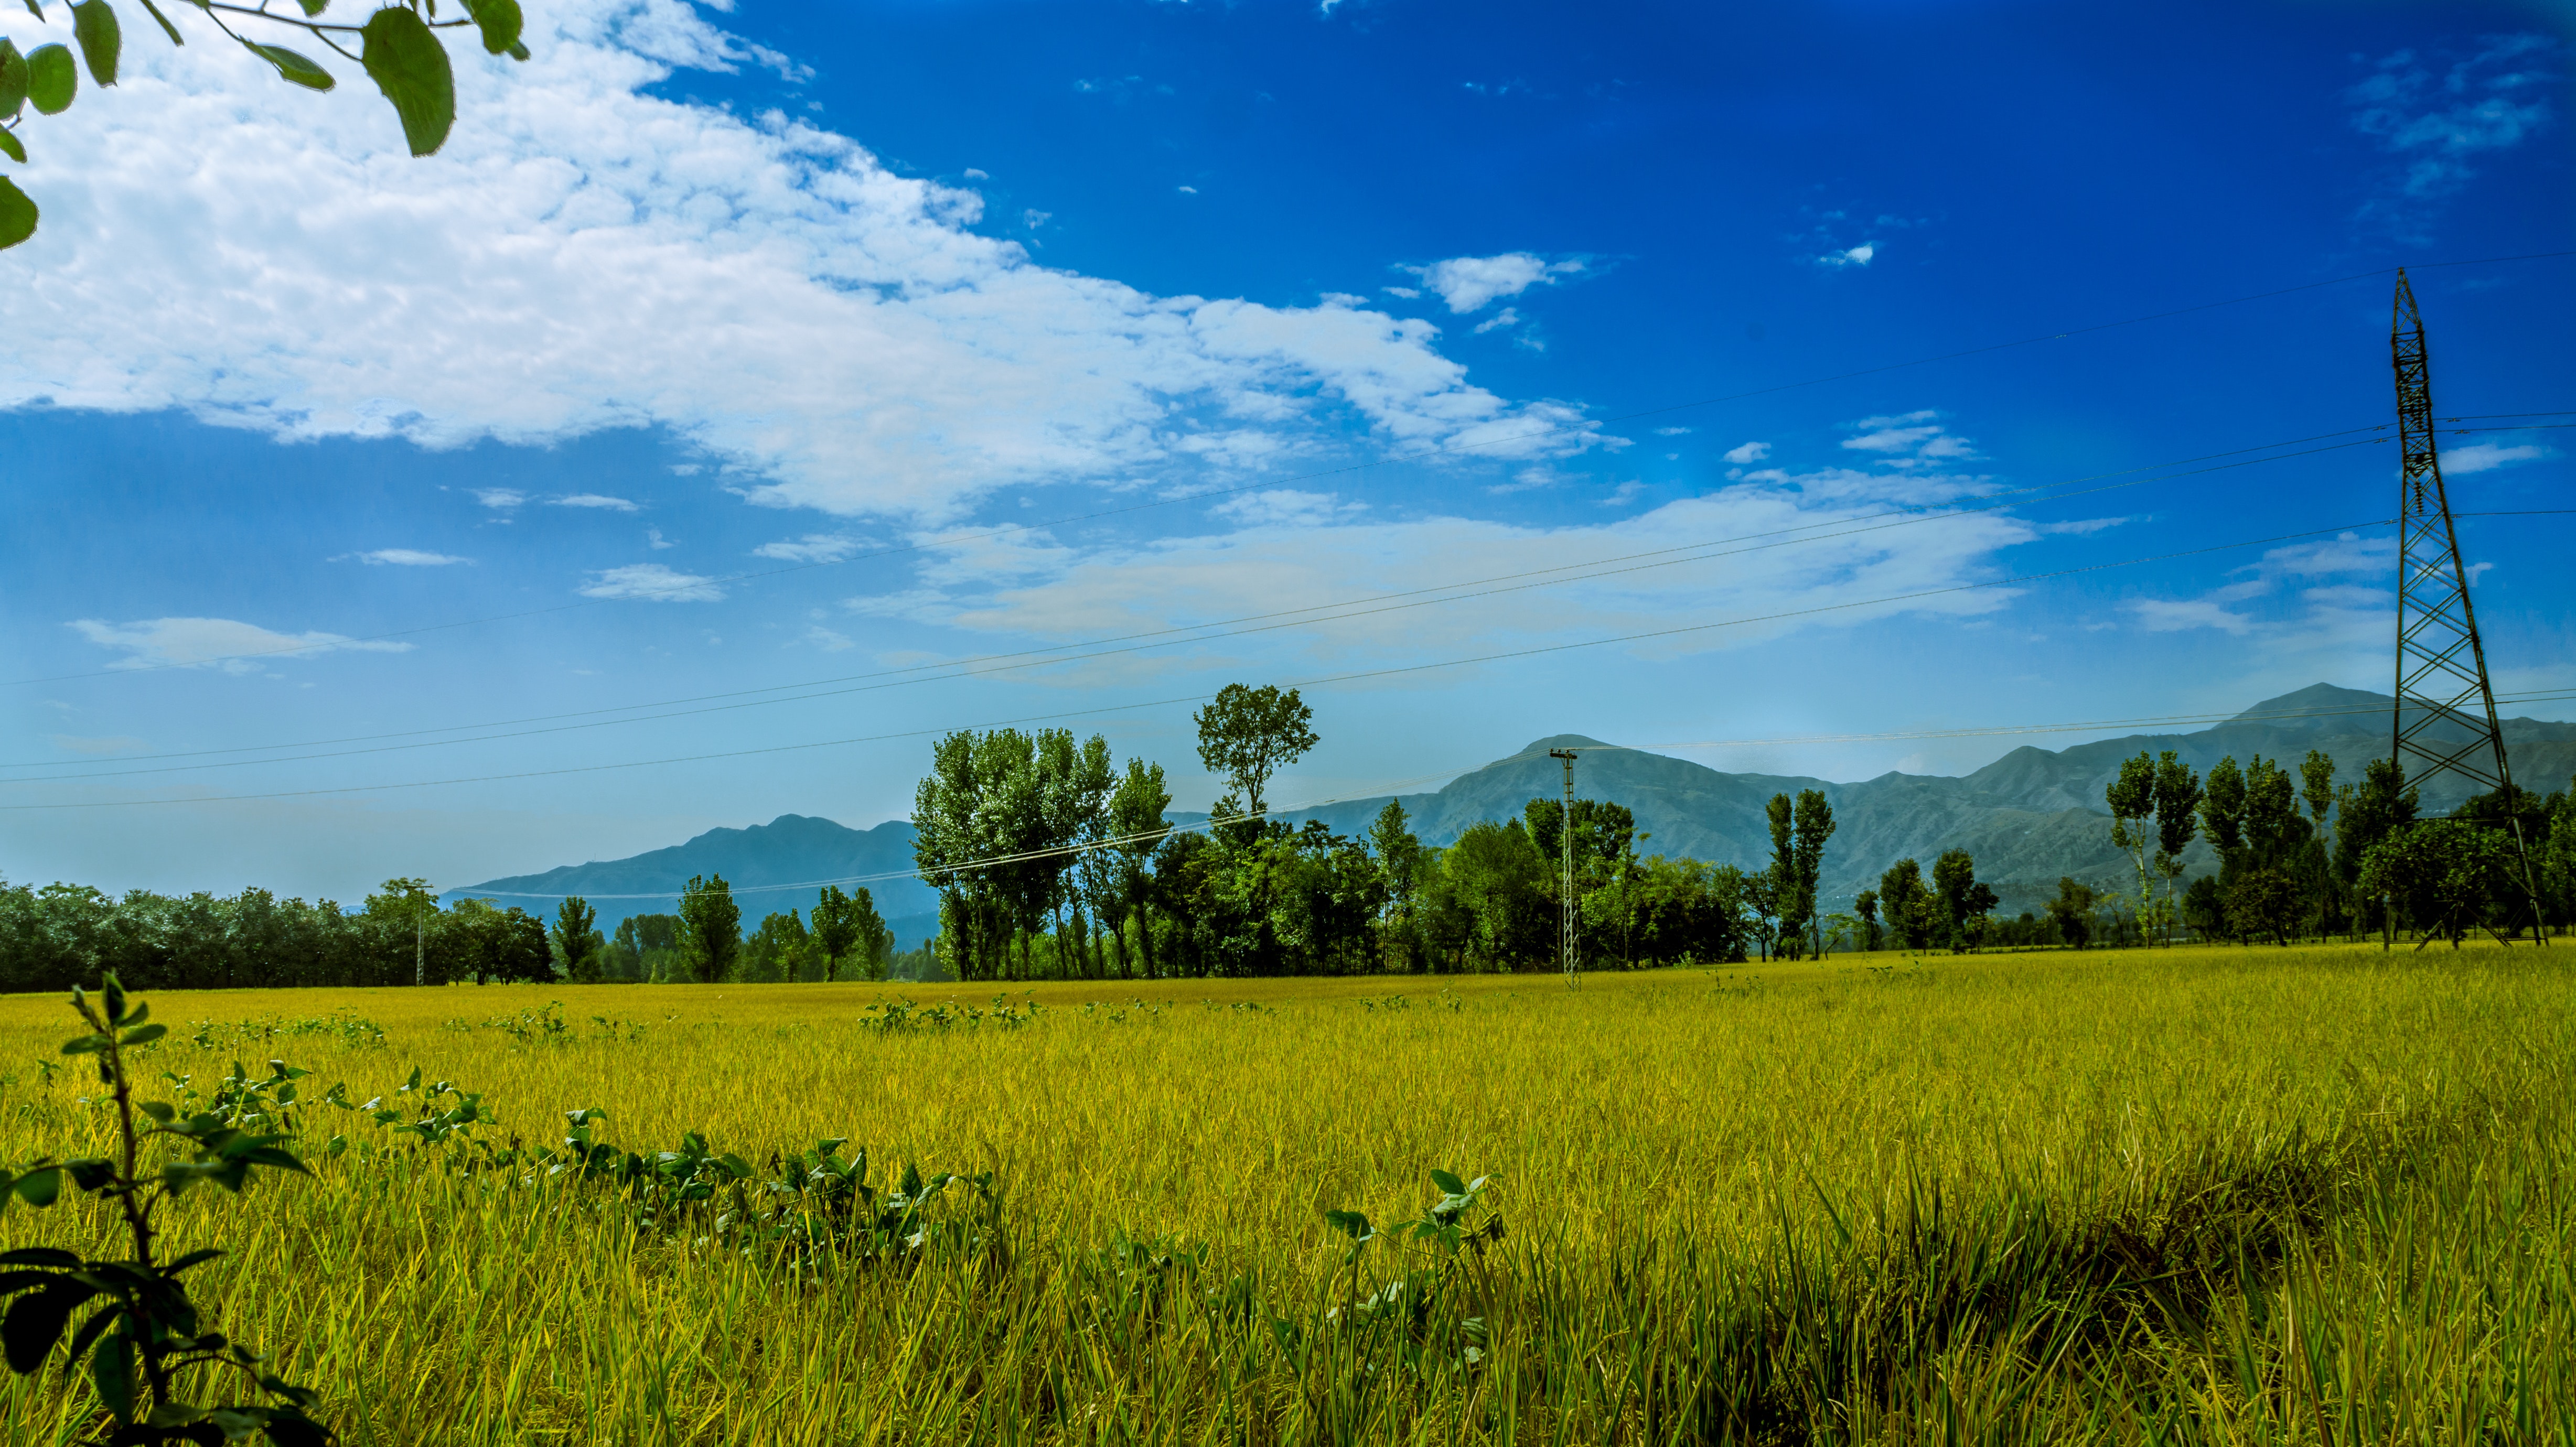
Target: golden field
2198	1195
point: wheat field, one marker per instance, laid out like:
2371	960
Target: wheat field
2199	1195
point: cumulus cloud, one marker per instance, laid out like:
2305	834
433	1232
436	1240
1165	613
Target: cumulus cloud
652	583
1860	255
223	643
585	253
1747	454
1471	283
409	558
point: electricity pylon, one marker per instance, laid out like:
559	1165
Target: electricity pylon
2441	664
1565	845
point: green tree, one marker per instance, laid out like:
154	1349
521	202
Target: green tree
2556	863
710	927
1912	910
2441	875
2263	901
1248	734
1866	906
575	937
2177	822
2072	911
2132	797
1399	863
836	928
2383	805
406	911
776	952
398	47
1815	825
1964	900
1137	826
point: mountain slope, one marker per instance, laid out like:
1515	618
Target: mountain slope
2028	817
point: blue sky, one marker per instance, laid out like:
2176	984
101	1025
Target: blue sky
788	359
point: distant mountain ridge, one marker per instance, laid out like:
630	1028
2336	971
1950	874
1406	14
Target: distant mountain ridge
2028	817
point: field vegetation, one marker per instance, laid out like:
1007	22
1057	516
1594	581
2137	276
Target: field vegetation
2308	1195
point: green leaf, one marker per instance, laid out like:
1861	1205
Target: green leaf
314	7
144	1034
293	66
36	1188
13	79
83	1044
36	1320
410	67
110	990
1448	1182
499	20
50	1257
52	79
158	1109
166	27
9	142
111	1370
198	1257
94	26
36	10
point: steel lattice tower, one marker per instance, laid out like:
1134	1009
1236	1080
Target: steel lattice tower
2441	664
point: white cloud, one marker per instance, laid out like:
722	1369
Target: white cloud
1912	439
1189	190
2082	527
1507	317
2488	456
1747	454
2317	620
827	640
233	646
502	498
584	254
811	548
977	174
2490	101
594	500
652	583
1675	431
653	539
1294	563
1285	507
409	558
1860	255
1470	283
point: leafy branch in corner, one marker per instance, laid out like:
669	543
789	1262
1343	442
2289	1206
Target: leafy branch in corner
397	46
145	1326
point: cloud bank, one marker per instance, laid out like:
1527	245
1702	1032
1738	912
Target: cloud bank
583	255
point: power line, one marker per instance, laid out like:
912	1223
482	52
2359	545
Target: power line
1531	652
1063	653
1202	494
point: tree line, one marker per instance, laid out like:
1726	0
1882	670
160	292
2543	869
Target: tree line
1052	861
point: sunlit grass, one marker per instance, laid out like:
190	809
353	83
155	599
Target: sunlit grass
2197	1195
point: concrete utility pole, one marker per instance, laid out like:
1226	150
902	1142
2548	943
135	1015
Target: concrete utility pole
1565	846
419	947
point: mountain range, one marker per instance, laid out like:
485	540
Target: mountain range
2028	817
